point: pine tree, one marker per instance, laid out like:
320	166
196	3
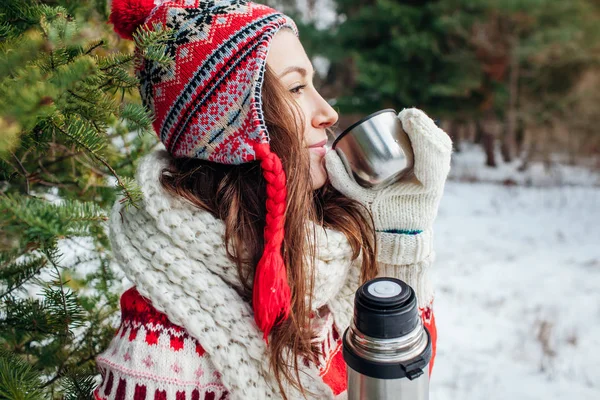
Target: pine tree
532	53
509	64
394	54
71	131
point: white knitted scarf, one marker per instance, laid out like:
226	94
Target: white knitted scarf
174	253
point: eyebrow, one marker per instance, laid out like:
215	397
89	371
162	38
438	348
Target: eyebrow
300	70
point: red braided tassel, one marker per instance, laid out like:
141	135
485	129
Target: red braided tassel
271	295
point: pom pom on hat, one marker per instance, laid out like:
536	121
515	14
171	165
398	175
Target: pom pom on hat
128	15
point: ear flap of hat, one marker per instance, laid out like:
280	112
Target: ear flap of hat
271	295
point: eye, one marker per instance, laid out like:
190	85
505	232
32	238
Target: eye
297	89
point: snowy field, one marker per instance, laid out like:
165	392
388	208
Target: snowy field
517	281
468	165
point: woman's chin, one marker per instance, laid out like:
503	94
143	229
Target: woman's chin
318	176
318	184
318	173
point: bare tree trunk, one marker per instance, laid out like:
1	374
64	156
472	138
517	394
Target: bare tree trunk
527	154
461	132
572	143
488	146
478	134
470	131
509	142
546	149
521	137
453	131
487	141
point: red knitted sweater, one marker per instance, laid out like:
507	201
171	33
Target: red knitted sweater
152	359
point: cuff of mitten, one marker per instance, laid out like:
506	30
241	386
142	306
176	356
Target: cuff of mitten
400	249
415	275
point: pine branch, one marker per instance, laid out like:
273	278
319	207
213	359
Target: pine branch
39	221
91	167
5	167
55	181
72	93
6	30
93	46
120	79
14	275
23	170
138	117
20	15
61	158
113	60
62	92
57	315
133	190
67	76
25	315
120	180
67	304
151	42
56	24
84	137
79	386
18	380
70	371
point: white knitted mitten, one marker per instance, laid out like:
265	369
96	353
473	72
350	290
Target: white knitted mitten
404	211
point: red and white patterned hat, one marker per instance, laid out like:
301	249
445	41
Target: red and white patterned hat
207	105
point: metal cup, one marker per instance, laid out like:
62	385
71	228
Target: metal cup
375	150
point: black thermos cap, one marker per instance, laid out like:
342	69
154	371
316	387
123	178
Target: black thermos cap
385	308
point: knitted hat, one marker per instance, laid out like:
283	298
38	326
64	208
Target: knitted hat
207	105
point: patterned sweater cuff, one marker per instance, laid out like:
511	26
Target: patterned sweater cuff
401	249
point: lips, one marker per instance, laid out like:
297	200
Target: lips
319	148
317	145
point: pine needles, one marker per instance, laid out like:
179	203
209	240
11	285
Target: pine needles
71	131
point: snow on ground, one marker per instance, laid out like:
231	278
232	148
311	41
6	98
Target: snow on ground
469	165
517	281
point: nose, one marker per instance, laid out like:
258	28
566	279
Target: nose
325	116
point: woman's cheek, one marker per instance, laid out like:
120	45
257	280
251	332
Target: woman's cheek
305	119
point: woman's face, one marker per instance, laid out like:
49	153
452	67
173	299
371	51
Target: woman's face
290	63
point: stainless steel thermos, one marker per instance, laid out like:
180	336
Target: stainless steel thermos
375	150
387	348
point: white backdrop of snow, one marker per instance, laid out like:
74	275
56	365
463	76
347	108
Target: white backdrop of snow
510	261
469	165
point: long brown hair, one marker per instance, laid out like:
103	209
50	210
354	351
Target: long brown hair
236	195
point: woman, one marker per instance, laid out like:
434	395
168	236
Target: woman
251	239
